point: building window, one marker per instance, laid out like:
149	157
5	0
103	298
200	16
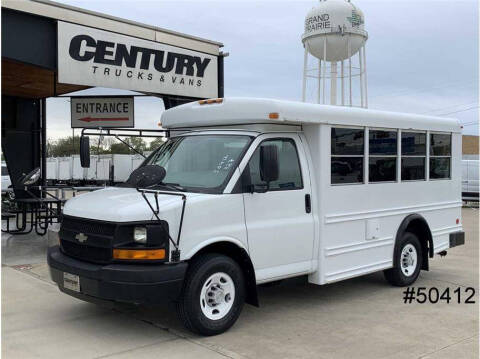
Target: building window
414	154
347	149
440	155
382	161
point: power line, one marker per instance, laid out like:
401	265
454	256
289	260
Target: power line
466	109
448	107
426	89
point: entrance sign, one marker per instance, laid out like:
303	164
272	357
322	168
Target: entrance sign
94	112
93	57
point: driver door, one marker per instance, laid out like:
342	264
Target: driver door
280	225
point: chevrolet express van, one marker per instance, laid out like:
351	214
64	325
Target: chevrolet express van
249	191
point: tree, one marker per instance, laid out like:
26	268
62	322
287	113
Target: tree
62	147
66	146
157	142
136	142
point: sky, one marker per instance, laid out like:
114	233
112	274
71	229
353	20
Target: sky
422	55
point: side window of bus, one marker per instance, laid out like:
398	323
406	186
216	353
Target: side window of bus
382	162
347	149
440	155
290	174
414	154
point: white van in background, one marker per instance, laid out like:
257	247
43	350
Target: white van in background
249	191
470	182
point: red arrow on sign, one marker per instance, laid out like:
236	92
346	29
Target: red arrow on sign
98	119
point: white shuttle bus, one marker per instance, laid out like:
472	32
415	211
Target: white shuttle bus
249	191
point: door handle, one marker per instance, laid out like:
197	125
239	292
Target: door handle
308	203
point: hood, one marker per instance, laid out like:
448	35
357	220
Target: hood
117	204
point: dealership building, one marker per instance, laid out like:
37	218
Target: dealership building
50	49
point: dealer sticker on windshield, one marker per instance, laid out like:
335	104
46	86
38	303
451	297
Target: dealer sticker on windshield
71	281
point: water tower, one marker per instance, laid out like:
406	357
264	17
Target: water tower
335	36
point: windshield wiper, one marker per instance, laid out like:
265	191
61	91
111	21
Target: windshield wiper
172	186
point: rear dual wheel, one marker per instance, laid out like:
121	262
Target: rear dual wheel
213	294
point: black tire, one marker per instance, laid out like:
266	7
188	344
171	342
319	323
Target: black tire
188	306
395	275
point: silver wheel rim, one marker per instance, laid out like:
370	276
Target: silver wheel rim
217	296
408	260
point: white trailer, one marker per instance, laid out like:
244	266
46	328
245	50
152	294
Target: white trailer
78	172
6	182
65	168
122	167
92	170
103	168
136	161
250	191
52	169
470	180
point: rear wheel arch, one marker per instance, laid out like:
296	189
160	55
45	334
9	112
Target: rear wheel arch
239	255
417	224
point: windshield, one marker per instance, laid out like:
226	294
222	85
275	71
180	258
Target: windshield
200	162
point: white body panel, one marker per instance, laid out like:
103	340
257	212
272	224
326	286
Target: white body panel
359	222
276	222
351	229
217	217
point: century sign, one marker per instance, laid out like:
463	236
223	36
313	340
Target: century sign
95	112
93	57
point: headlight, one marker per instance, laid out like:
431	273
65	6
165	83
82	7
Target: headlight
140	235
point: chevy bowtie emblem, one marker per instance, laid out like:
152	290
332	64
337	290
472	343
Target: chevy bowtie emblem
81	237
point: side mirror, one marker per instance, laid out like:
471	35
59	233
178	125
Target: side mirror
85	151
269	163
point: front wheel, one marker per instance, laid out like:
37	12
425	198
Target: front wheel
407	261
213	295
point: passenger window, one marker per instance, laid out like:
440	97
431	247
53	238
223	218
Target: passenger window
382	162
414	152
289	176
347	147
440	155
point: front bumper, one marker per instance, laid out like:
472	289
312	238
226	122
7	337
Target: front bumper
128	283
457	239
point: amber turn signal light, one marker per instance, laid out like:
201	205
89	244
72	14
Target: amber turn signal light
273	116
210	101
142	254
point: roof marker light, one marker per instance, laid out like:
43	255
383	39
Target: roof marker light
210	101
